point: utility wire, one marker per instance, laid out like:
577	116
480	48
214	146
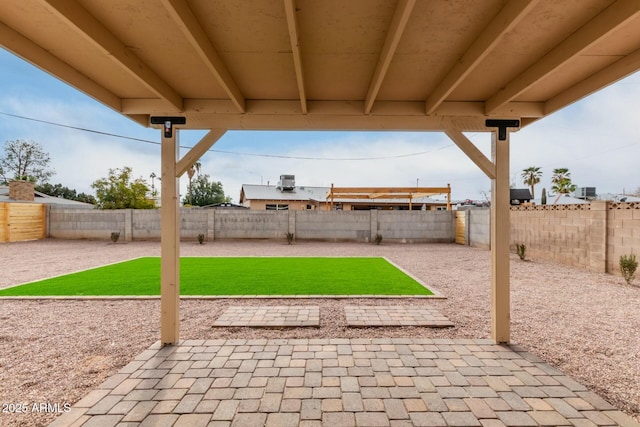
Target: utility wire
277	156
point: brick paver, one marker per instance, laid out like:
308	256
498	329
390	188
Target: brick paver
270	316
299	382
395	315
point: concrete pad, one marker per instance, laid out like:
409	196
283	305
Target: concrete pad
269	316
395	315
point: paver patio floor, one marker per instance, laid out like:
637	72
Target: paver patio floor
300	316
340	382
270	316
395	315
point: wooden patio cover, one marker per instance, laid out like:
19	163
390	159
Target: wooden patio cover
410	65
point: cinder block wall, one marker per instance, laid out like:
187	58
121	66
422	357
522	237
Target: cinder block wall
590	236
333	225
479	224
237	224
419	226
555	235
74	223
623	233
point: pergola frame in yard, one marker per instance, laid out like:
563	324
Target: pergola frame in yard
373	193
374	65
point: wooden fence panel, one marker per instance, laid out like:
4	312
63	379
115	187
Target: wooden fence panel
22	221
461	219
4	230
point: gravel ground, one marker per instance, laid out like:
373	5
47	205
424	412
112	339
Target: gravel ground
56	351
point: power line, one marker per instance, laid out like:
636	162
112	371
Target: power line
277	156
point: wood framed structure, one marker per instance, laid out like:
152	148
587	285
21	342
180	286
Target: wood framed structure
376	65
372	193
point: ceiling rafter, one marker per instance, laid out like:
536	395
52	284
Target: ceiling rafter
508	17
620	69
184	17
611	18
396	29
44	59
292	24
95	32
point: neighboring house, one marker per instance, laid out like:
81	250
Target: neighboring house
564	199
519	196
224	206
619	198
287	196
42	198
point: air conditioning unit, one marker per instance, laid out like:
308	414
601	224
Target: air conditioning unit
287	183
585	193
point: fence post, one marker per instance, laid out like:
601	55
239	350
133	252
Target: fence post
292	222
373	224
211	224
128	225
597	236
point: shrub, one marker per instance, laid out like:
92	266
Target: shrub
628	266
289	238
115	235
201	238
378	239
521	250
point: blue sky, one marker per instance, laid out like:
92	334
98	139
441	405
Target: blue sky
598	139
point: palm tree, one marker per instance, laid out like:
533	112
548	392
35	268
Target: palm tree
531	176
190	173
562	184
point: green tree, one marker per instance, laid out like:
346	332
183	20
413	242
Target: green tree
25	160
58	190
543	197
531	176
120	191
562	184
205	192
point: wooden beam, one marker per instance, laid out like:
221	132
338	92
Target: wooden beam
472	152
184	17
95	32
198	150
394	34
388	190
294	38
508	17
620	69
616	15
500	241
381	108
169	243
46	61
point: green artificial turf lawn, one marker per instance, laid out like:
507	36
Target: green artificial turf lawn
234	276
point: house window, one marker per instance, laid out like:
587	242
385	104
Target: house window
277	207
441	208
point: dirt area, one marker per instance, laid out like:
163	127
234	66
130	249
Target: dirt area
55	351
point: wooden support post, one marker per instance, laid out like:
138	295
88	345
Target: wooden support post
500	240
170	243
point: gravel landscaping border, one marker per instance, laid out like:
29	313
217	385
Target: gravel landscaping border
55	351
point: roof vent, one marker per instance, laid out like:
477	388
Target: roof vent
287	183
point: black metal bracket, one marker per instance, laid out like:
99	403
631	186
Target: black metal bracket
168	123
502	126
